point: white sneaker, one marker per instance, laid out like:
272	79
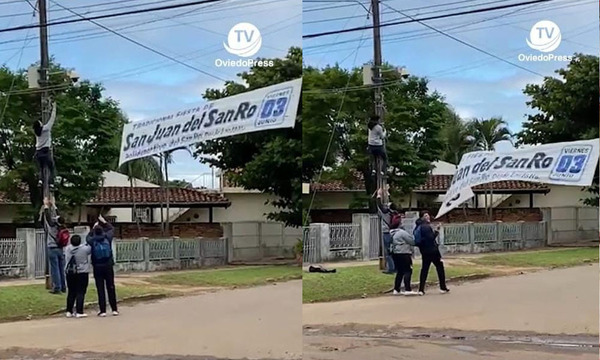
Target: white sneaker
79	316
69	315
421	293
115	313
445	291
102	314
395	292
409	293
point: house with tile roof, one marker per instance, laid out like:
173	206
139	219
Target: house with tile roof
116	200
514	200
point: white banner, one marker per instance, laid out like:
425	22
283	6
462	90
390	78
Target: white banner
569	163
271	107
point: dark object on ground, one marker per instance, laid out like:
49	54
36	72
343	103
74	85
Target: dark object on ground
320	269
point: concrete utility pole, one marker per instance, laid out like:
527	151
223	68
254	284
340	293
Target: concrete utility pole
43	82
379	109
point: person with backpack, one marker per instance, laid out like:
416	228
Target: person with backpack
426	239
77	271
387	213
402	253
54	247
100	239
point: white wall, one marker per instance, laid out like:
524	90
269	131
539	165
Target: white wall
559	196
244	207
443	168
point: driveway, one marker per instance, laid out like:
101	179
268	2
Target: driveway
255	323
561	301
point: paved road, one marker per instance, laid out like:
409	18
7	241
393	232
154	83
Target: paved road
256	323
336	348
551	302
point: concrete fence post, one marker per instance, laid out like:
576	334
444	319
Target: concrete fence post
28	235
201	255
523	241
471	235
176	256
261	241
230	241
323	232
146	242
364	231
547	218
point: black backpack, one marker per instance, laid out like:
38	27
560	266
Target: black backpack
72	266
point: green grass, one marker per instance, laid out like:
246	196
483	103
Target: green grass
542	258
243	276
19	302
356	282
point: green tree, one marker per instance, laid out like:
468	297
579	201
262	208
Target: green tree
456	139
413	120
269	161
566	108
145	169
486	133
86	138
180	184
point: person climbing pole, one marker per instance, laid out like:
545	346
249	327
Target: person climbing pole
376	144
43	148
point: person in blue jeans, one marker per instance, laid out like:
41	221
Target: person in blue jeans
56	256
385	213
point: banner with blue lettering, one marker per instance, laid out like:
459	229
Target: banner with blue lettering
568	163
271	107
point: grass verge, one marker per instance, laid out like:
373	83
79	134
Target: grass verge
243	276
365	281
21	302
541	258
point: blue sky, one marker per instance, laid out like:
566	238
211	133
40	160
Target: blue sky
144	83
475	84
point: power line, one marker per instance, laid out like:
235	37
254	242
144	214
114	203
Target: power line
338	114
422	34
106	16
415	9
467	44
91	34
393	23
140	44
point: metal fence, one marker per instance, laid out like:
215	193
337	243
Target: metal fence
26	254
329	242
13	253
152	252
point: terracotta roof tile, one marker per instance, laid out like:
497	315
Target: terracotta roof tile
434	183
124	195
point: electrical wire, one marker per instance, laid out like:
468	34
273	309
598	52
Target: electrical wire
394	23
333	131
100	34
141	44
424	34
14	78
113	15
467	43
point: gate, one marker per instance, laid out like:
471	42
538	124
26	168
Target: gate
311	243
375	237
40	254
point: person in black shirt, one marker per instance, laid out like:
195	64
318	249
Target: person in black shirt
426	239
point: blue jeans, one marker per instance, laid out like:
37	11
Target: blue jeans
387	242
56	260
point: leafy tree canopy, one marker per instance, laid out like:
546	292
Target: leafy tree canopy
86	137
269	161
414	119
566	108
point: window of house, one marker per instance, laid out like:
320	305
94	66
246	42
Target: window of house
143	215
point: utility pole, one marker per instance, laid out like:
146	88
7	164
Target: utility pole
379	109
43	82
